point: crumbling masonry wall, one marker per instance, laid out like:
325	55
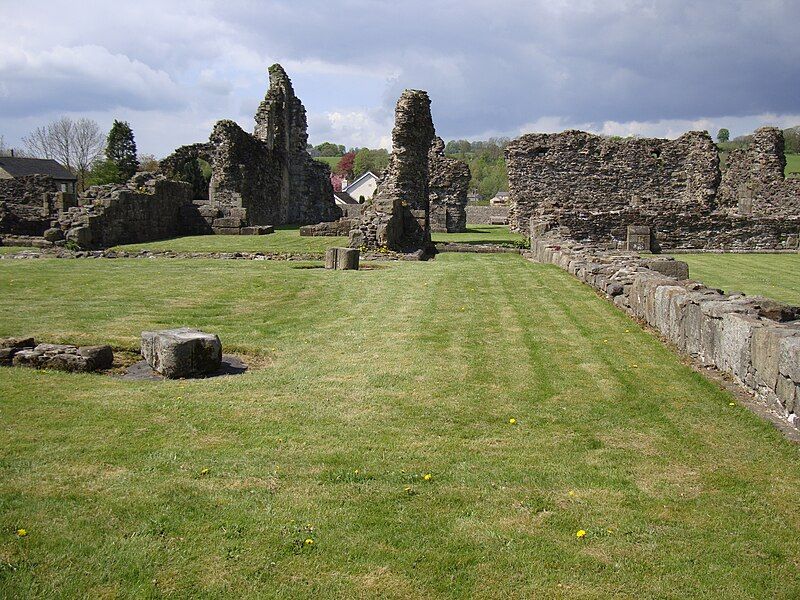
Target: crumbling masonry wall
594	188
148	207
22	204
398	216
448	182
264	178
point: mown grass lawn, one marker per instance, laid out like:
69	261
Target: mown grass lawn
793	165
368	381
482	234
288	239
285	239
773	275
13	249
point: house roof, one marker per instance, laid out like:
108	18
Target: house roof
17	166
344	198
352	184
501	195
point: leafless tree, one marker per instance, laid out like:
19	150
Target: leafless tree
75	144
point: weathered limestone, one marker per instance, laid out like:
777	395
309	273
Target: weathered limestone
22	352
183	352
754	339
21	209
649	194
342	227
148	207
448	181
342	259
268	178
398	216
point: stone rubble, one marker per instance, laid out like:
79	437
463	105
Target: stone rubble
24	352
448	183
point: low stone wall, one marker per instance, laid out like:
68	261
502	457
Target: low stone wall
147	208
756	340
482	215
22	202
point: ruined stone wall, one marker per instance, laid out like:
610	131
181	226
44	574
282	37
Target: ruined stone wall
448	182
595	188
267	178
246	180
754	339
148	207
306	194
483	215
22	202
398	215
754	182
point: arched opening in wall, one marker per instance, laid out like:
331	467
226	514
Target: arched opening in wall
196	172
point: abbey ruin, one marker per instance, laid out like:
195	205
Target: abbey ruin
653	194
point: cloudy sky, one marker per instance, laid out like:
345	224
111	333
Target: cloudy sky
502	67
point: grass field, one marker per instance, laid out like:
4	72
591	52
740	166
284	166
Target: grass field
482	234
773	275
331	161
793	164
288	239
365	383
13	249
285	239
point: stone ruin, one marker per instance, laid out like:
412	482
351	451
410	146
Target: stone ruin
258	180
448	182
419	182
27	203
397	218
264	178
652	194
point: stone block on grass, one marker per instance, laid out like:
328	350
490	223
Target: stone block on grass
183	352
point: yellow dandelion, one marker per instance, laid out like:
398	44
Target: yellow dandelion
580	534
605	341
356	471
634	366
22	532
309	542
427	477
204	472
571	493
512	421
731	403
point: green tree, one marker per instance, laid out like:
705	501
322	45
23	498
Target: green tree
103	172
370	160
723	135
330	149
193	174
121	149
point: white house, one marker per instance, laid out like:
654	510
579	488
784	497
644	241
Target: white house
363	188
500	199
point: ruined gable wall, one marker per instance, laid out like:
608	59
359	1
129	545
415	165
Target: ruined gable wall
398	215
306	194
754	182
595	188
448	182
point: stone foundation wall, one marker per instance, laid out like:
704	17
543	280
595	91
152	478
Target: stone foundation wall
482	215
595	188
22	204
147	208
448	182
754	339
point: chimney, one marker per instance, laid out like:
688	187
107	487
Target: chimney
12	152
